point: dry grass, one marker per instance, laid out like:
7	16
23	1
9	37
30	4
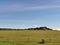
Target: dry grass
27	37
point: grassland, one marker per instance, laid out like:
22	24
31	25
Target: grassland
26	37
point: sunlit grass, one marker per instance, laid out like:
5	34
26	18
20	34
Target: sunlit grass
27	37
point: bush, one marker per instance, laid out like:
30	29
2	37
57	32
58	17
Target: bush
42	41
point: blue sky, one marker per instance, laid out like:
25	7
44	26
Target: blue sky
29	13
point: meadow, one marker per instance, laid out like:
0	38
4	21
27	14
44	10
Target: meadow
29	37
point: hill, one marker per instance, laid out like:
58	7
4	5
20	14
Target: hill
40	28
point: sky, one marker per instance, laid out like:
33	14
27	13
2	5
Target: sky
29	13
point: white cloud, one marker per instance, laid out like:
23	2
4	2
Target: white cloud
26	7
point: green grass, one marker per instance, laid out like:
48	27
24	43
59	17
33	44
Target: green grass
27	37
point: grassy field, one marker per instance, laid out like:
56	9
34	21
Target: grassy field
27	37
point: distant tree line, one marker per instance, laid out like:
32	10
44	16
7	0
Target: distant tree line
39	28
9	29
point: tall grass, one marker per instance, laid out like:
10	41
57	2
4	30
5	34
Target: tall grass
26	37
